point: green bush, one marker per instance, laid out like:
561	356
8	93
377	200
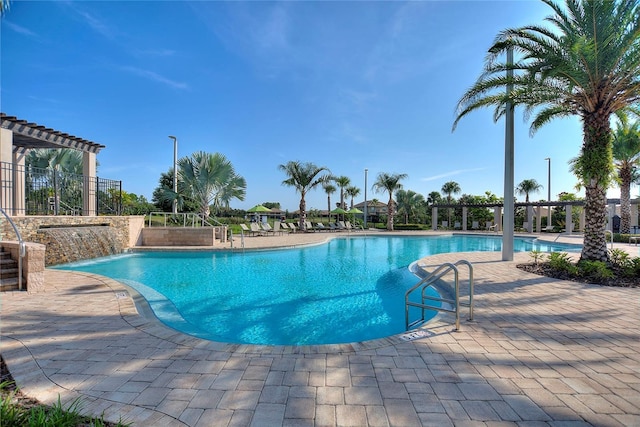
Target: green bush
401	227
537	256
562	261
597	270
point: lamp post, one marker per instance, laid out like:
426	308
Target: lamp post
548	159
365	197
175	173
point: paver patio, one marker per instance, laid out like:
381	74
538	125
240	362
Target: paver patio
540	352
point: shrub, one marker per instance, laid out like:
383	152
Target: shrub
537	256
597	270
562	261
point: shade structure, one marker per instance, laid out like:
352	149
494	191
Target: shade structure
354	211
259	208
339	211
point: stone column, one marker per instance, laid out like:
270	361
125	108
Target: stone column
529	219
568	219
464	218
89	203
434	218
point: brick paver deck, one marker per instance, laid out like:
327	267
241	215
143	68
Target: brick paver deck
540	352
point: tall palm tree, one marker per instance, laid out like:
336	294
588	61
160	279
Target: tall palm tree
304	177
528	186
587	64
352	191
390	184
329	189
207	179
342	182
626	156
450	188
408	201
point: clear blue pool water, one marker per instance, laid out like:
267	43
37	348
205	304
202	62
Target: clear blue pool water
348	290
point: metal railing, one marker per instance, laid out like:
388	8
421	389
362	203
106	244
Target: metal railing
452	304
185	219
27	190
21	247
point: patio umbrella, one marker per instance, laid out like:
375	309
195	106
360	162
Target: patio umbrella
339	211
354	211
259	208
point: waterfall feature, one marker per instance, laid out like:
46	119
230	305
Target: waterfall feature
75	243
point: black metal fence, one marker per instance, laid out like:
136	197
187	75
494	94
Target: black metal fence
52	192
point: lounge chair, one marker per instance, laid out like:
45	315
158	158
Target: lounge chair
491	226
255	229
276	228
308	226
246	229
267	228
445	225
333	227
342	226
475	225
285	227
457	225
293	227
352	227
320	227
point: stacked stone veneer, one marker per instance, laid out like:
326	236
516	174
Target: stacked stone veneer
127	229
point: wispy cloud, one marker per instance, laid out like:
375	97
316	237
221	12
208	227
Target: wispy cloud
451	173
153	76
157	53
96	24
19	29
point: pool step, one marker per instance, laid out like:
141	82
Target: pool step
8	272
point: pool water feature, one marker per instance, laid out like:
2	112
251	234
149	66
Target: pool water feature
347	290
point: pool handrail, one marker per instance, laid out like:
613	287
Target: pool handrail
454	303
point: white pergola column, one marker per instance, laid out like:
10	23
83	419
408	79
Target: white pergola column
497	217
539	219
568	220
529	219
464	218
434	218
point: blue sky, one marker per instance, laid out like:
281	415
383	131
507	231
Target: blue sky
346	85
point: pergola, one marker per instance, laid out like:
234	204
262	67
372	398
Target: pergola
17	137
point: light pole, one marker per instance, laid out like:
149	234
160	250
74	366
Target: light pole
175	173
548	159
365	198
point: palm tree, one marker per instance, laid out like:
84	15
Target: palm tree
434	198
206	179
390	184
304	177
353	192
588	65
527	187
408	201
342	182
329	189
626	155
450	188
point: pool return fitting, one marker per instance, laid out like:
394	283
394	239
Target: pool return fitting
449	305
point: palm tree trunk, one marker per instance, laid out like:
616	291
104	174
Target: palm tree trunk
597	168
303	213
390	213
625	202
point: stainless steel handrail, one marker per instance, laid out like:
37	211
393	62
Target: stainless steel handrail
605	236
454	303
185	217
21	247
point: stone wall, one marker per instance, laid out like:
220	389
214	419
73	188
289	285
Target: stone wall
178	236
127	228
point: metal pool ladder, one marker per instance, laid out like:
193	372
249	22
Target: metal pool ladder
450	305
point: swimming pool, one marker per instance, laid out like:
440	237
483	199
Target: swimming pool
347	290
